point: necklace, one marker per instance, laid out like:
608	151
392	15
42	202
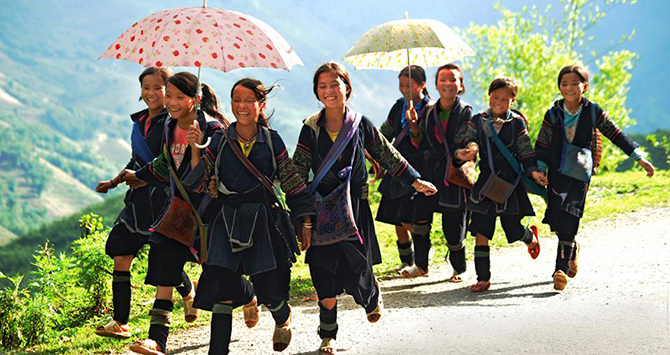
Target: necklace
572	113
247	141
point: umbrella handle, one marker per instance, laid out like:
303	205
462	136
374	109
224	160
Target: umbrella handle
209	140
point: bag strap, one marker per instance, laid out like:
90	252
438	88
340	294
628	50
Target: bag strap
139	145
443	134
347	132
503	149
248	164
401	136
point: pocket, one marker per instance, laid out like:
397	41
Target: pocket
576	162
497	189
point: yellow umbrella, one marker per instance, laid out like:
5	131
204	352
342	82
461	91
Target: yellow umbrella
395	44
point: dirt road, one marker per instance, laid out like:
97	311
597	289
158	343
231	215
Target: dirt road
617	304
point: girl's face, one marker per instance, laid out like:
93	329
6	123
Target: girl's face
415	89
246	106
153	92
179	105
572	88
449	84
331	90
500	101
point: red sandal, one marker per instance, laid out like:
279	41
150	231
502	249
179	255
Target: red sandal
534	250
480	286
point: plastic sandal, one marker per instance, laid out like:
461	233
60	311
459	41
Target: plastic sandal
190	313
376	314
480	286
572	264
251	313
534	251
146	346
327	346
455	278
413	271
114	330
560	280
282	335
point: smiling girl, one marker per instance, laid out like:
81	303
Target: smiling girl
341	255
244	238
142	206
564	146
498	191
168	256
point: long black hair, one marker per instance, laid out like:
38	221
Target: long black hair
261	94
209	103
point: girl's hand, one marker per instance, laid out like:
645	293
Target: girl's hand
424	187
131	179
104	186
412	118
213	189
467	154
194	135
646	165
539	178
306	234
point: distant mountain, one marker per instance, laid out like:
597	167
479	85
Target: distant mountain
64	115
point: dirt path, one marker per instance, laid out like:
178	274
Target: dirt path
618	304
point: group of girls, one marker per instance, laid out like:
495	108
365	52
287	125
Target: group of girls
445	136
188	159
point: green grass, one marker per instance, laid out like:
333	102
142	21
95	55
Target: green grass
610	194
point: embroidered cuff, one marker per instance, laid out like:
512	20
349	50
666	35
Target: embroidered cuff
638	154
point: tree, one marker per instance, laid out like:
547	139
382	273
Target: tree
532	48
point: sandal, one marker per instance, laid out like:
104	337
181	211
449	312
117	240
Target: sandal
480	286
146	346
402	267
190	313
251	313
534	246
572	264
560	280
376	314
327	346
455	278
115	330
282	335
413	271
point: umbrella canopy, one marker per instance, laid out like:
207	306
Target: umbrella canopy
395	44
203	37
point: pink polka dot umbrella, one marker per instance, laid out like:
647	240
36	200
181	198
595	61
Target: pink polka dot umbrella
203	37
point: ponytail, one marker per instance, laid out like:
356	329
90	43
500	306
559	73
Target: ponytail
425	93
209	103
523	117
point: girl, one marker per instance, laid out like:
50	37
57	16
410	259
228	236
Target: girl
570	126
244	236
142	206
454	116
397	203
167	256
345	264
499	132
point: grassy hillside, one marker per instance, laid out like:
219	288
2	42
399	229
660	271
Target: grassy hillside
17	255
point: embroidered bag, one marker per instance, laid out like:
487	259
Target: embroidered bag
464	175
576	162
530	184
495	188
334	213
179	222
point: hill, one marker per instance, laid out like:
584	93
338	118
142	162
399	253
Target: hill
17	254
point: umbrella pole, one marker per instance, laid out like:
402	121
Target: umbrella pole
198	95
409	67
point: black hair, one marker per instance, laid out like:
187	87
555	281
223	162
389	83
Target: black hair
209	103
260	92
418	75
165	73
452	66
